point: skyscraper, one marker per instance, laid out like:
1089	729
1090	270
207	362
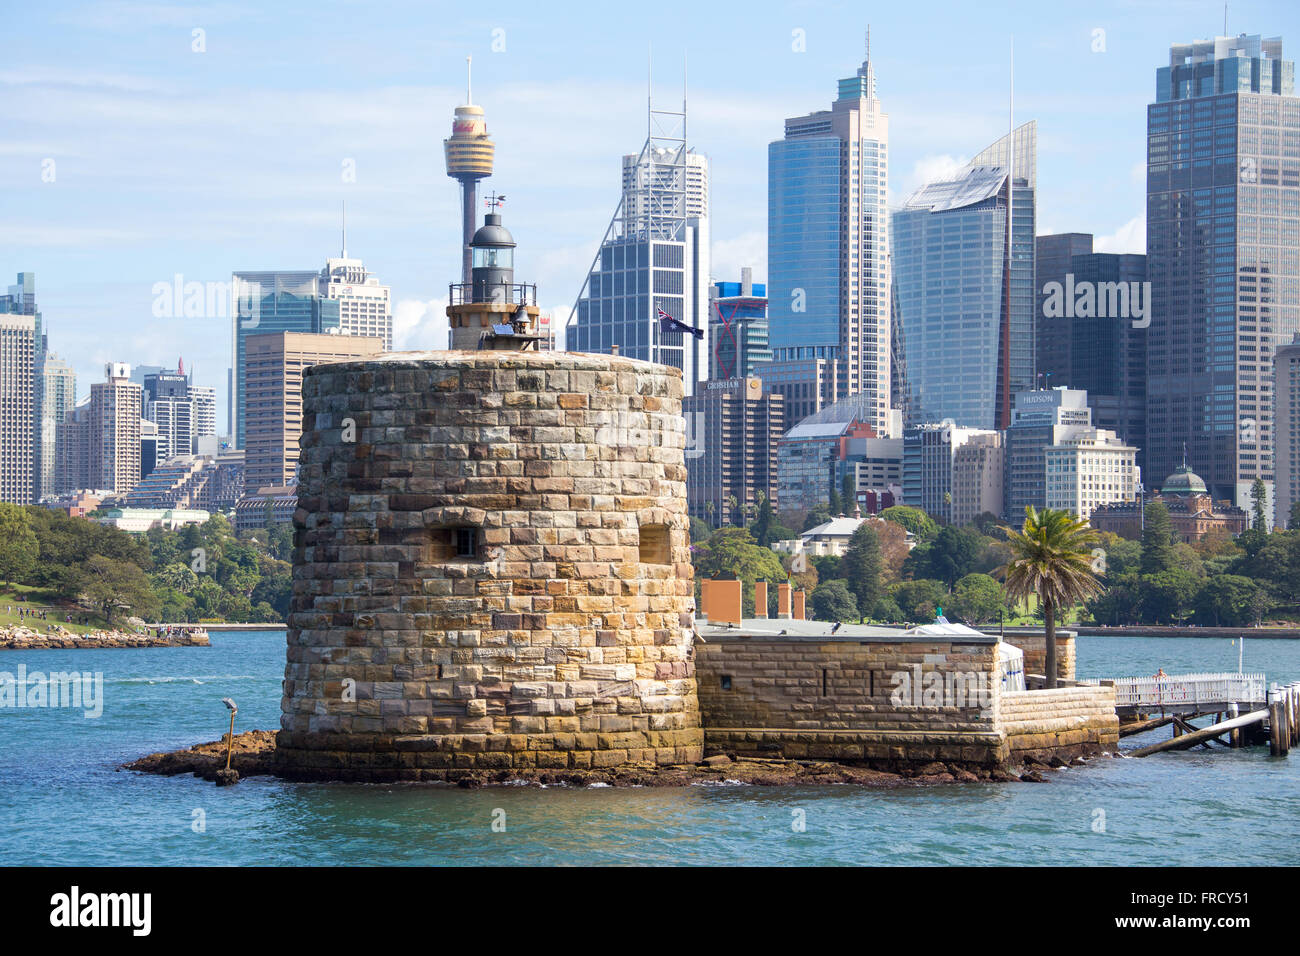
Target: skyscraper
930	462
1042	418
738	335
969	344
263	302
17	407
184	412
58	394
273	425
735	427
1286	422
828	246
365	306
99	440
1223	256
648	289
21	300
205	412
1090	336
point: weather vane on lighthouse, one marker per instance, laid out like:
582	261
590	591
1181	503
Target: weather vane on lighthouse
493	200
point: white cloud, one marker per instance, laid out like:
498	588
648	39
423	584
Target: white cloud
926	170
420	325
730	255
1130	237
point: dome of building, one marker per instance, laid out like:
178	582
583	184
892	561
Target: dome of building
492	233
1184	481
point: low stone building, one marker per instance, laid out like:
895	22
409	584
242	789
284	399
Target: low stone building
877	695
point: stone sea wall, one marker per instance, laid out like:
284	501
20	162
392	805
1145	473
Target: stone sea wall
492	568
891	702
848	699
20	638
1062	721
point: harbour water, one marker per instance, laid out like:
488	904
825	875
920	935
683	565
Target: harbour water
63	800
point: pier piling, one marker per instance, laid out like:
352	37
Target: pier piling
1279	721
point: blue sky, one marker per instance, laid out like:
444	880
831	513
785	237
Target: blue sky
166	160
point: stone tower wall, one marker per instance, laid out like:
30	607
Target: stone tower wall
561	640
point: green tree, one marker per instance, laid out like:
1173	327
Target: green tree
1293	516
1053	561
762	529
700	531
987	524
1227	600
1166	596
1157	540
977	598
918	601
950	556
112	585
887	611
1120	555
1119	603
820	514
832	601
920	524
829	566
178	577
731	553
863	567
19	548
1258	498
849	492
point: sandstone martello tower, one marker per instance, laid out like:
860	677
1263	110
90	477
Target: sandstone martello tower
492	563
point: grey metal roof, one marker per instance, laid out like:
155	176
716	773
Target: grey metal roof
966	188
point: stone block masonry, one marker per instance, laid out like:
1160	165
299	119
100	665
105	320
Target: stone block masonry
1060	722
841	699
886	699
491	570
1034	645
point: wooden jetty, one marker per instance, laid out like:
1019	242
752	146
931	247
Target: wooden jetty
1243	706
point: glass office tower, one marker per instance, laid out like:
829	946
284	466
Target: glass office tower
1223	256
966	311
827	241
263	302
1103	351
654	260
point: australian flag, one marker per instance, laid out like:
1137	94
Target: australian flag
668	324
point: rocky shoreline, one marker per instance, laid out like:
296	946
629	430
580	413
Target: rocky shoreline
254	752
21	638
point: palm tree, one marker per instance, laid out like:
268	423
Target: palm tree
1053	559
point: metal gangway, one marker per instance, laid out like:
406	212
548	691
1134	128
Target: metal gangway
1187	693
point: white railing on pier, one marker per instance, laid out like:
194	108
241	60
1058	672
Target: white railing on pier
1183	690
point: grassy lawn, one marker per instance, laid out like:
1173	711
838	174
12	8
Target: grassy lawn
38	598
1026	615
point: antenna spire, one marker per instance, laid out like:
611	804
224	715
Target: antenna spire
469	81
345	229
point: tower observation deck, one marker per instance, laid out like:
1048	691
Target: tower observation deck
469	153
